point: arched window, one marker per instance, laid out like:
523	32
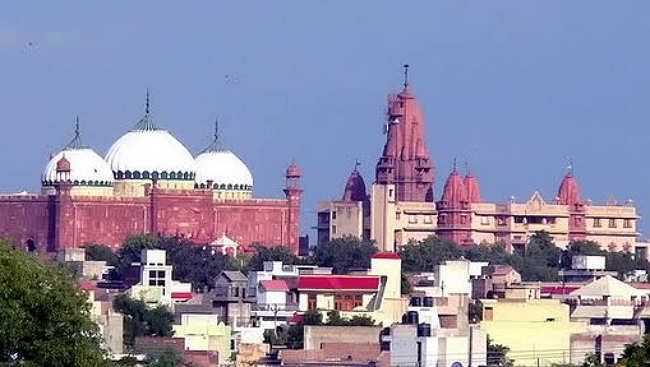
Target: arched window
186	176
179	175
163	175
172	175
215	186
136	174
120	175
223	186
155	175
75	182
229	186
127	174
145	174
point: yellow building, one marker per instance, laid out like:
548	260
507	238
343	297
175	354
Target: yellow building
532	329
203	332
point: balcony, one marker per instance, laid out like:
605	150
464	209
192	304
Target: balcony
272	307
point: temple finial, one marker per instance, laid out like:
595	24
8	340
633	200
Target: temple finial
76	142
569	168
147	106
454	164
356	165
406	76
467	170
76	128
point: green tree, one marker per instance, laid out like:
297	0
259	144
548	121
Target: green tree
497	355
312	317
637	354
140	320
276	253
424	255
98	252
44	317
405	285
344	254
167	357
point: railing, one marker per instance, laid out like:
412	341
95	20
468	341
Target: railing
275	307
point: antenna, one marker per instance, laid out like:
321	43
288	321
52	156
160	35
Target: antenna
406	75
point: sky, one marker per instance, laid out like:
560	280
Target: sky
515	88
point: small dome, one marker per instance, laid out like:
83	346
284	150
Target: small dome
85	166
454	191
150	153
569	191
473	189
63	165
222	167
293	170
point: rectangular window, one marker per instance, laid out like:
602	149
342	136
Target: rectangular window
597	223
161	274
501	221
333	229
397	216
390	193
334	215
152	273
428	219
612	223
311	302
627	223
152	282
463	219
519	219
487	314
413	219
485	220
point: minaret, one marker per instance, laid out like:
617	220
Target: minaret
405	160
293	192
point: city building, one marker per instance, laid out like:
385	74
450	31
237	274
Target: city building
585	269
537	331
148	182
111	323
205	333
375	293
156	286
400	206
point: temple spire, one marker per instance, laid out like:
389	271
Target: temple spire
406	76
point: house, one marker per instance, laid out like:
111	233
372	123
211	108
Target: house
540	325
375	293
275	305
225	246
497	281
233	298
205	333
585	269
110	322
615	313
156	286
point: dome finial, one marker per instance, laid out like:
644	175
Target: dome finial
147	109
75	143
454	170
406	75
215	145
216	129
146	122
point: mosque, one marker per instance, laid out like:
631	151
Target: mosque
400	206
149	182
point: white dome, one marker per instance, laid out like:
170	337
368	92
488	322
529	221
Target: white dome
145	152
86	168
223	167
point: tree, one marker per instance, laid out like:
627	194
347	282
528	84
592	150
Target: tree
405	285
497	355
140	320
98	252
637	354
424	255
276	253
344	254
167	357
44	317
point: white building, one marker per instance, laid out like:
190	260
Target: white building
156	284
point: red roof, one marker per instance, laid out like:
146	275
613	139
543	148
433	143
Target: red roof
296	318
87	285
386	255
275	285
181	295
339	282
640	285
557	290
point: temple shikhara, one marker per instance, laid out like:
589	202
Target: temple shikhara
149	182
401	206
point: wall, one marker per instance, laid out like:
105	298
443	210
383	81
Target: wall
540	325
27	217
317	335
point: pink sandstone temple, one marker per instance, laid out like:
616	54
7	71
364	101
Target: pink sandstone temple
149	182
400	206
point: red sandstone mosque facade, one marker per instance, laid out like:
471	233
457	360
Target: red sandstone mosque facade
400	206
148	182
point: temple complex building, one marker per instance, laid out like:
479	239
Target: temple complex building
400	206
149	182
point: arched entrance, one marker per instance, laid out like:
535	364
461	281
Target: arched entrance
30	245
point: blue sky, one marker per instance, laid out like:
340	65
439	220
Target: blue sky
514	87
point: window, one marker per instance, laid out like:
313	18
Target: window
612	223
501	221
488	314
485	220
627	223
597	223
442	218
413	219
463	219
311	302
333	229
334	215
428	219
232	344
397	216
157	278
390	193
519	219
235	291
